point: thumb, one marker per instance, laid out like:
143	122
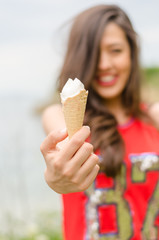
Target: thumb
52	139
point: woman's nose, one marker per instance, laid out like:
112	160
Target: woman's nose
104	62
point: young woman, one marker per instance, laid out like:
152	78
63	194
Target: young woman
109	175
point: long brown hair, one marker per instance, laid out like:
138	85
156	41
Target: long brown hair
81	61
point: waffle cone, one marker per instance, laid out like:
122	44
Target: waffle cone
74	109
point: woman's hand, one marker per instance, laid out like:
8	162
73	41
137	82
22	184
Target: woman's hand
71	167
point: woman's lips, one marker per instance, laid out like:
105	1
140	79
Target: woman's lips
108	80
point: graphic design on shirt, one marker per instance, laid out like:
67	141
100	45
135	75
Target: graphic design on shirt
151	223
142	165
114	200
106	201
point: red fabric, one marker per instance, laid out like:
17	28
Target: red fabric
157	224
141	140
74	215
102	181
111	225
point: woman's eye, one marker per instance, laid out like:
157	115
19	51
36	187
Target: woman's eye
116	50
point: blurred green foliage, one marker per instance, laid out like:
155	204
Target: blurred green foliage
150	84
151	75
45	226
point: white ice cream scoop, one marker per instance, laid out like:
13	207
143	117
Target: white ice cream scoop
71	88
73	98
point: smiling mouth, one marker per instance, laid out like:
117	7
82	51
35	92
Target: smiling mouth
107	80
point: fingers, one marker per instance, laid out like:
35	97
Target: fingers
88	166
90	178
71	146
87	173
82	154
52	139
73	166
75	143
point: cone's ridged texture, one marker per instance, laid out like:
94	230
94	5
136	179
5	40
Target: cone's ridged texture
74	109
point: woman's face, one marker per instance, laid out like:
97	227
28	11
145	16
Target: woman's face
114	64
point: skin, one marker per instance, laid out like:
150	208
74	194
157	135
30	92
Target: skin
114	64
71	165
154	113
113	70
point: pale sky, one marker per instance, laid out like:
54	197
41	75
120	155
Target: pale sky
31	44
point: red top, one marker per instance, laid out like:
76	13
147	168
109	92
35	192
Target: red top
125	208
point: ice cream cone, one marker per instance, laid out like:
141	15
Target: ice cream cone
74	109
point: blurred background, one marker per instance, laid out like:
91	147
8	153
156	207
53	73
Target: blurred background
32	46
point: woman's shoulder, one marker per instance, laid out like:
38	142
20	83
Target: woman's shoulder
52	118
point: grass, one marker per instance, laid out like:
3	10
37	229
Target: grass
45	226
150	85
152	74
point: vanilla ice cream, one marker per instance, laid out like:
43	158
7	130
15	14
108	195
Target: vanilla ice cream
71	88
73	98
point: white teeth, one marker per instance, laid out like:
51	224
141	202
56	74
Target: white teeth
107	78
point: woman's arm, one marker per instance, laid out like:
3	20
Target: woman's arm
154	113
53	118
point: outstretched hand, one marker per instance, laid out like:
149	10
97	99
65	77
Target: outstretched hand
71	167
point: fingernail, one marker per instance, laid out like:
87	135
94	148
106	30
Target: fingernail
87	127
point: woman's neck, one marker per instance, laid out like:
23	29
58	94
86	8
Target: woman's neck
115	107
